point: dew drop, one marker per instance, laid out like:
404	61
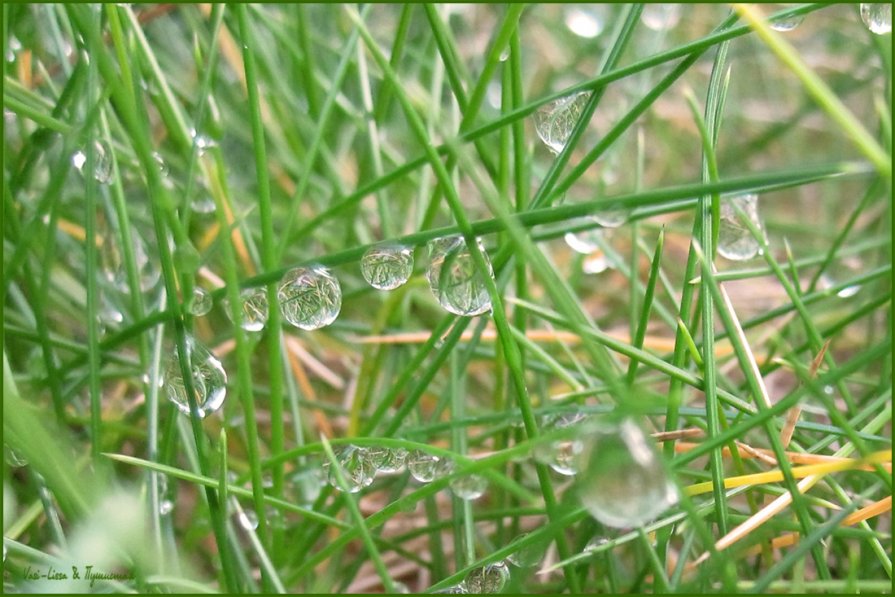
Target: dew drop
613	217
422	465
387	267
165	507
735	241
469	487
622	481
583	22
248	519
13	457
162	166
561	455
387	460
595	543
505	55
203	202
102	162
254	308
208	377
308	483
784	24
310	297
356	469
14	45
554	121
488	579
529	556
201	303
586	241
458	589
877	17
661	17
401	588
595	263
455	280
202	142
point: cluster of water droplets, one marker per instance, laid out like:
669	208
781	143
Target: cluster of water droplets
877	17
735	240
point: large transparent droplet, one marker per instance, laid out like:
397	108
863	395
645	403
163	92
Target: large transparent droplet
735	241
877	17
555	121
201	302
102	162
387	267
469	487
310	297
622	481
487	579
254	308
208	378
784	24
422	465
455	280
528	556
355	467
661	17
387	460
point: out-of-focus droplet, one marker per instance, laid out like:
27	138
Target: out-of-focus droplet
622	482
585	241
356	469
455	280
877	17
248	519
583	21
561	455
203	202
555	121
458	589
203	142
529	556
387	267
387	460
254	308
165	507
505	55
595	543
102	162
308	483
422	465
735	241
487	579
469	487
208	378
162	166
13	458
201	302
310	297
661	17
784	24
595	263
13	45
613	217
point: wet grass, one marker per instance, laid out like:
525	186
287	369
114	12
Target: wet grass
320	131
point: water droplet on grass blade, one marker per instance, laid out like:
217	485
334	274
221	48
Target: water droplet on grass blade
469	487
529	556
201	302
487	579
14	458
735	241
355	467
254	308
248	519
877	17
784	24
387	460
422	465
455	280
387	267
102	162
458	589
561	455
661	17
165	507
622	481
310	297
208	378
554	121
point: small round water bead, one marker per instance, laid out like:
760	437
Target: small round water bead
455	280
529	556
622	481
469	487
784	24
488	579
201	302
254	308
310	297
422	466
102	162
387	267
877	17
561	455
735	241
356	469
208	378
555	121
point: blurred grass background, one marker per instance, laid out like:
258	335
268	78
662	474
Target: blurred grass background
285	119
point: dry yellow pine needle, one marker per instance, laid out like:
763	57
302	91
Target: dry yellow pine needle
798	472
792	417
793	457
